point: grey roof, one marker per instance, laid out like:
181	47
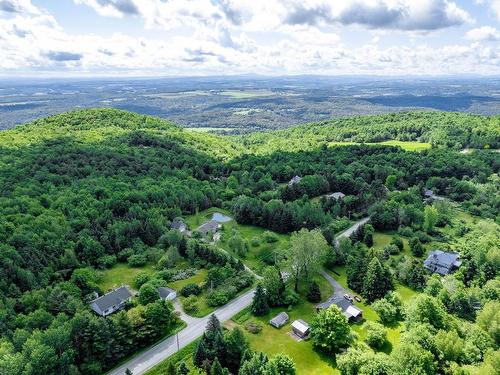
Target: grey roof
336	195
114	298
349	310
442	262
279	319
209	226
428	193
295	180
178	224
300	326
165	291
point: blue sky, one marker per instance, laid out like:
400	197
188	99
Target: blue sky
276	37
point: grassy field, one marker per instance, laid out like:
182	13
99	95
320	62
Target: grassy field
407	146
120	274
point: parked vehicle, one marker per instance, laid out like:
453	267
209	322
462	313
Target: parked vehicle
348	297
357	298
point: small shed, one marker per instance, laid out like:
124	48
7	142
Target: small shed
166	293
300	328
279	320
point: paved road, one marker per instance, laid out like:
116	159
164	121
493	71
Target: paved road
351	229
195	328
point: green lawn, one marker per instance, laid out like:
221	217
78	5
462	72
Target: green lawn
407	146
120	274
271	340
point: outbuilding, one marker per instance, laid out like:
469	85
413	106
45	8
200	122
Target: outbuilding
279	320
301	328
166	293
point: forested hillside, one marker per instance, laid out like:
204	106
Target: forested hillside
453	130
85	190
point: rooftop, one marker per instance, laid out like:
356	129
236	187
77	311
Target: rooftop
113	298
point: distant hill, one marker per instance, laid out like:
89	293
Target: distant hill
455	130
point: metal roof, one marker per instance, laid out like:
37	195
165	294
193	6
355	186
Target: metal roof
300	325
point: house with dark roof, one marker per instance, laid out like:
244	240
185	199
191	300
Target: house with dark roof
178	224
295	180
351	312
442	262
279	320
336	196
166	293
112	301
211	226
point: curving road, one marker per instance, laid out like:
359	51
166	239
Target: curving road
196	326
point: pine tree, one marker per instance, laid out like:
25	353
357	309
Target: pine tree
259	304
171	369
377	282
182	369
314	294
213	325
356	265
236	346
200	354
217	368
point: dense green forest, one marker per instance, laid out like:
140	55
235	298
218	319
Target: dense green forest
84	190
452	130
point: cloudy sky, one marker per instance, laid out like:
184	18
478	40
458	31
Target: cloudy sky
276	37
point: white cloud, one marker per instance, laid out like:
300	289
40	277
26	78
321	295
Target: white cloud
484	33
493	4
421	15
216	37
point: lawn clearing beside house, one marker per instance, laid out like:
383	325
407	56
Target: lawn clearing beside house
120	274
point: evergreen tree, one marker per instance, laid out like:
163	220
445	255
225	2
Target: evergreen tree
182	368
256	365
236	346
128	371
200	354
356	266
171	370
377	282
416	276
217	368
314	294
259	304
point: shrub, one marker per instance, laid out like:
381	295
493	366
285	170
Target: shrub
270	237
106	261
376	334
405	231
137	260
396	241
255	242
190	289
124	254
190	304
141	278
290	298
184	274
314	294
253	327
220	296
391	250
